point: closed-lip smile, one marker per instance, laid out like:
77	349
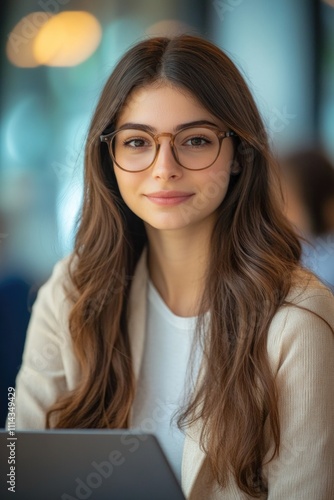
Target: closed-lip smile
169	197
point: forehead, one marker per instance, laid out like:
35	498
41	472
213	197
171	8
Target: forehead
163	106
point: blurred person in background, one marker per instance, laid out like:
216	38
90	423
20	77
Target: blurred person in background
308	181
184	294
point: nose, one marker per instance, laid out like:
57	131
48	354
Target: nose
165	166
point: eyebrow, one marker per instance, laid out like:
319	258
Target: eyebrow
142	126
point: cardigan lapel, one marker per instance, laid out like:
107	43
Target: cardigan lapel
193	456
192	459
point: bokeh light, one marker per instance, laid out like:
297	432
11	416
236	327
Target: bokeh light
20	44
67	39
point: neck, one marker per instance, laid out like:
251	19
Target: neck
177	263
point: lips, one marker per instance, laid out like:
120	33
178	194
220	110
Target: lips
169	197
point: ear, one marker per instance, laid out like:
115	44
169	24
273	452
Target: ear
235	168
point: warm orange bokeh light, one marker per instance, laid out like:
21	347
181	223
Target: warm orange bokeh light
67	39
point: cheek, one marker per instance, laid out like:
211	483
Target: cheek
128	184
214	185
216	179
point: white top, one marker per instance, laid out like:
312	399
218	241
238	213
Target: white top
163	376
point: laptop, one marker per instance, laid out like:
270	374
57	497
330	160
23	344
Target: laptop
85	464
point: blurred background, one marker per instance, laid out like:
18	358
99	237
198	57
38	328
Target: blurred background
56	56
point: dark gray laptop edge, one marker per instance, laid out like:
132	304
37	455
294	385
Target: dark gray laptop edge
85	464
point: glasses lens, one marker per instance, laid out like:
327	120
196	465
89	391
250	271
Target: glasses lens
196	147
133	149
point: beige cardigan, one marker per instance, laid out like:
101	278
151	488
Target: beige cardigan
301	353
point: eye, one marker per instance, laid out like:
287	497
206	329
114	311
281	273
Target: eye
197	141
136	142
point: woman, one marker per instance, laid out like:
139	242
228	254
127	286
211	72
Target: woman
182	253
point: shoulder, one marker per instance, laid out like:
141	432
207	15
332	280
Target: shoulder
307	297
59	283
61	270
308	292
305	323
52	306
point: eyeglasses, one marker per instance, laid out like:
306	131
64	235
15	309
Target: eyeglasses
193	148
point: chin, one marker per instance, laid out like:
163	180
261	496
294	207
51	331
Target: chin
167	223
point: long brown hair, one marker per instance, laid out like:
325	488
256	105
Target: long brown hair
253	254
